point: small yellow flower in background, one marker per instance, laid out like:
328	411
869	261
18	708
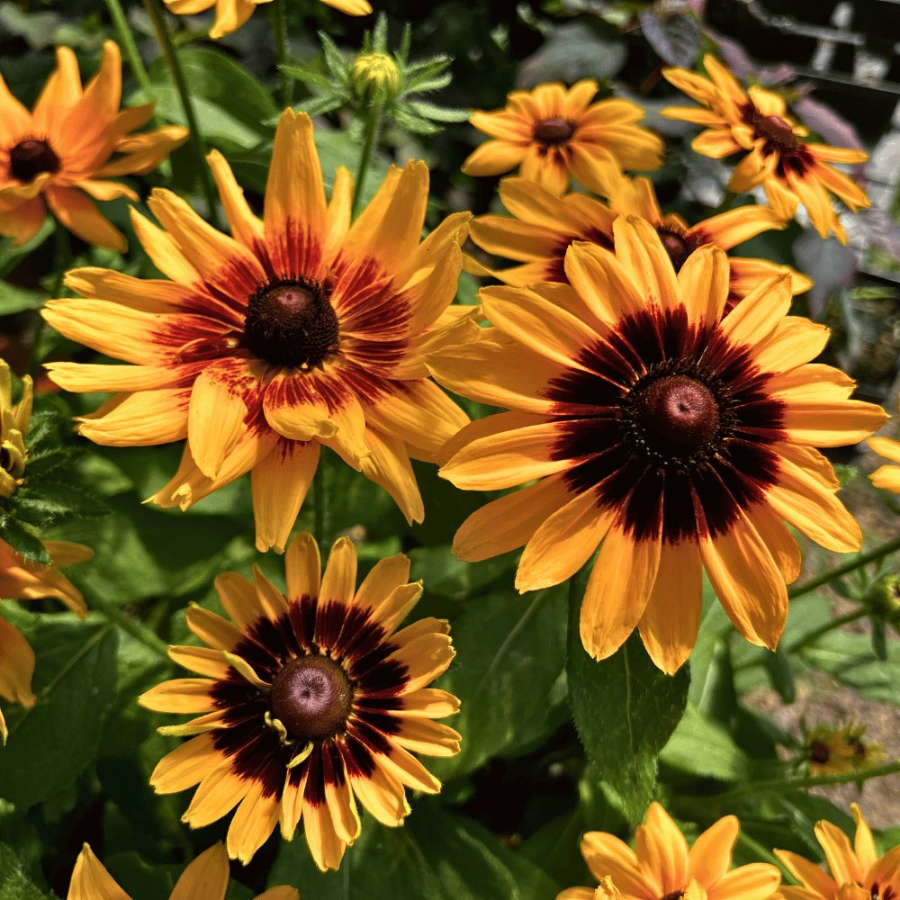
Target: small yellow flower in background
832	751
545	226
675	436
308	703
663	867
206	878
553	134
22	579
232	14
854	872
66	149
792	170
886	477
299	331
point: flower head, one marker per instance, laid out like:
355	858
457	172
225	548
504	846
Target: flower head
308	703
832	751
63	152
554	134
14	421
663	867
376	77
855	872
296	332
232	14
755	122
886	477
652	422
206	878
545	226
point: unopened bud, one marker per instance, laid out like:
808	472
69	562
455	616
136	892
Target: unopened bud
376	78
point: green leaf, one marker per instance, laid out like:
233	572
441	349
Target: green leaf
14	299
625	710
10	254
14	883
510	650
52	743
701	747
23	540
436	855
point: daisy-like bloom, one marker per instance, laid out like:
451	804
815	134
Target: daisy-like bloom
232	14
63	152
206	878
23	579
297	331
886	477
545	226
308	703
554	134
650	421
791	169
855	872
832	751
14	421
663	867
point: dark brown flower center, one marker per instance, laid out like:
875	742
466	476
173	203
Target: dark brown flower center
312	696
680	411
553	132
819	752
674	895
6	461
677	246
291	323
774	129
29	158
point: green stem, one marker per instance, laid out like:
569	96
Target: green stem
126	38
858	562
372	123
320	501
158	17
279	27
813	636
117	616
757	848
63	261
794	784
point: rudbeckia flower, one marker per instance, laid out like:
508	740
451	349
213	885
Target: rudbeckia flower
674	435
296	332
545	226
64	152
309	702
232	14
832	751
791	169
886	477
663	867
24	579
854	872
554	134
14	421
206	878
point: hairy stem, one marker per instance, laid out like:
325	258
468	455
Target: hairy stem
117	616
813	636
857	562
279	27
158	16
372	123
126	38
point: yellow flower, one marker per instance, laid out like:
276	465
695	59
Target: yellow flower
663	867
854	872
309	702
545	226
792	170
66	149
206	878
14	420
23	579
554	134
298	331
652	423
376	77
832	751
232	14
886	477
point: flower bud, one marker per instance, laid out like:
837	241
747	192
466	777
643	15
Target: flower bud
376	78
